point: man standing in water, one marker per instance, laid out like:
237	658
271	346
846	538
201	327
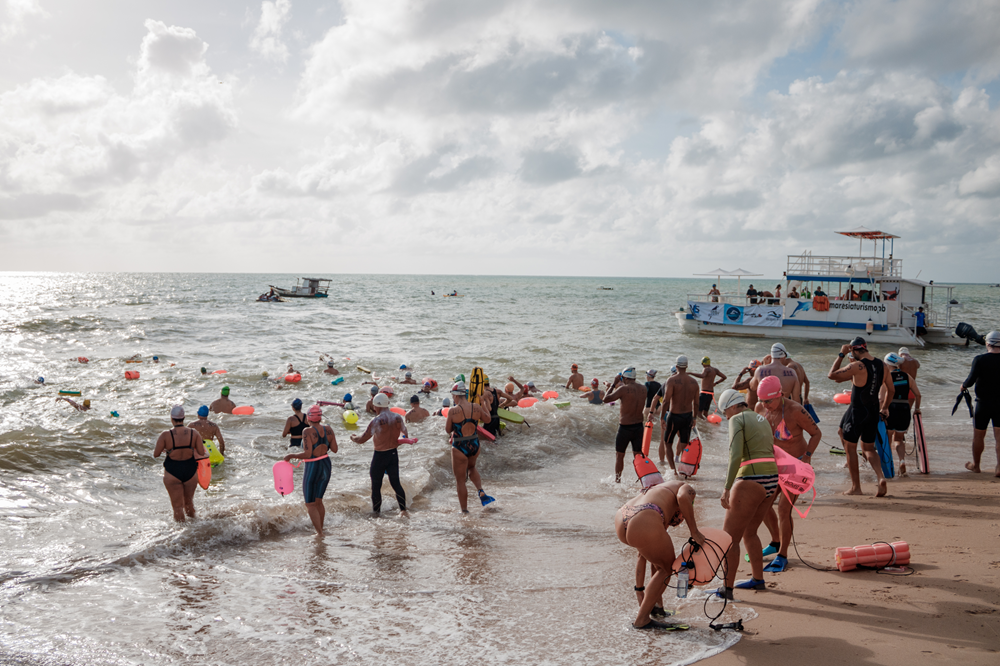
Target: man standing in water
708	384
788	420
790	385
416	413
461	424
908	364
318	442
183	449
633	400
208	430
985	376
385	428
575	380
223	405
680	398
867	376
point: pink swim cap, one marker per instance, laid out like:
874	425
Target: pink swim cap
769	388
315	413
388	391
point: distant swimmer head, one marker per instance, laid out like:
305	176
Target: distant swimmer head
374	390
859	343
651	373
225	390
348	397
509	388
381	400
530	384
731	398
203	410
904	351
297	403
86	403
204	371
329	364
40	380
156	359
682	361
891	359
408	375
388	391
753	365
778	351
414	400
446	403
177	413
402	367
459	378
993	339
706	360
628	373
769	388
315	413
459	389
265	374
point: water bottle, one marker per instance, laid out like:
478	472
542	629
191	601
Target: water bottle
683	578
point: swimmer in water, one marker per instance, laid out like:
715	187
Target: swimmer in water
461	425
416	413
595	395
318	441
408	378
80	408
445	404
204	371
156	359
524	390
207	429
386	428
330	370
223	405
183	448
295	424
370	405
576	379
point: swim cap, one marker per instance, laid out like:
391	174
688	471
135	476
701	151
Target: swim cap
177	412
706	360
427	384
486	380
225	390
769	388
730	398
594	382
329	364
297	403
348	397
408	374
459	378
388	391
414	400
993	338
531	384
754	364
315	413
778	351
891	359
446	403
859	343
459	389
509	388
904	350
682	361
381	400
41	380
204	371
673	370
203	410
264	374
651	373
402	367
156	358
86	403
374	390
629	372
574	367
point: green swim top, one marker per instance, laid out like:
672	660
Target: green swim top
750	437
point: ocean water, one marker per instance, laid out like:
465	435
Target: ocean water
93	570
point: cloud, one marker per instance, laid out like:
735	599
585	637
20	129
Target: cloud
266	39
983	181
18	11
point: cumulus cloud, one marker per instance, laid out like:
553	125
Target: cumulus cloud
266	39
18	11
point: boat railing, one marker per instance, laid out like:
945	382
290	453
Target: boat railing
834	266
732	299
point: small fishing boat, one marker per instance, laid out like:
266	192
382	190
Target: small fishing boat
305	287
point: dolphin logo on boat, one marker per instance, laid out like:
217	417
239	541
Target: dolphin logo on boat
804	306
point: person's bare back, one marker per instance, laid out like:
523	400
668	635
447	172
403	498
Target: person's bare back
633	402
790	386
681	393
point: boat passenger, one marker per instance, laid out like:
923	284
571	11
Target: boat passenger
819	291
752	295
713	294
793	293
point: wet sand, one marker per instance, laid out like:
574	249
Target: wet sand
948	611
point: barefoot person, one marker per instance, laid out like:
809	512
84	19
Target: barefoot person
296	423
907	363
751	484
183	449
575	380
642	523
318	441
803	397
708	379
867	376
385	428
680	399
208	430
461	425
652	388
633	399
904	395
985	376
741	384
223	405
788	420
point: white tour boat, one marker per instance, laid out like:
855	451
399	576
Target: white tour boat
862	296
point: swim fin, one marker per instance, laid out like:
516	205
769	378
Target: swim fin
661	612
486	499
777	565
653	624
751	584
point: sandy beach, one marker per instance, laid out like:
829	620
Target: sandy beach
948	611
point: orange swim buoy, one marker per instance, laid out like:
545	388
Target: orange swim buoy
872	555
714	418
398	410
843	398
293	379
219	372
131	374
244	410
526	402
707	559
550	395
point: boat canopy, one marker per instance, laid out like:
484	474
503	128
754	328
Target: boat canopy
864	233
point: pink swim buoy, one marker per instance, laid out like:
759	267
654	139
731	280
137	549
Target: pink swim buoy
284	482
131	374
708	558
482	432
293	379
842	398
244	410
550	395
874	555
526	402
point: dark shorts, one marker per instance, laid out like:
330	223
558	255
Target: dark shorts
705	401
629	434
985	414
923	331
899	418
680	425
315	479
861	423
493	427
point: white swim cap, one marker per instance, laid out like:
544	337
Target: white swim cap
682	361
891	359
993	338
381	400
904	351
629	372
730	398
177	412
651	373
459	389
778	351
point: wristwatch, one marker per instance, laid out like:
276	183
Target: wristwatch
841	354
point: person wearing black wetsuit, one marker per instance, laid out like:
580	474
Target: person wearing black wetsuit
868	376
491	400
295	424
183	447
904	386
985	376
652	388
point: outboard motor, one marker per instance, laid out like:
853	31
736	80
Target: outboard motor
966	331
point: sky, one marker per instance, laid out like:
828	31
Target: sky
635	138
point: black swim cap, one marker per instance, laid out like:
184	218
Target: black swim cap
296	403
859	342
414	399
